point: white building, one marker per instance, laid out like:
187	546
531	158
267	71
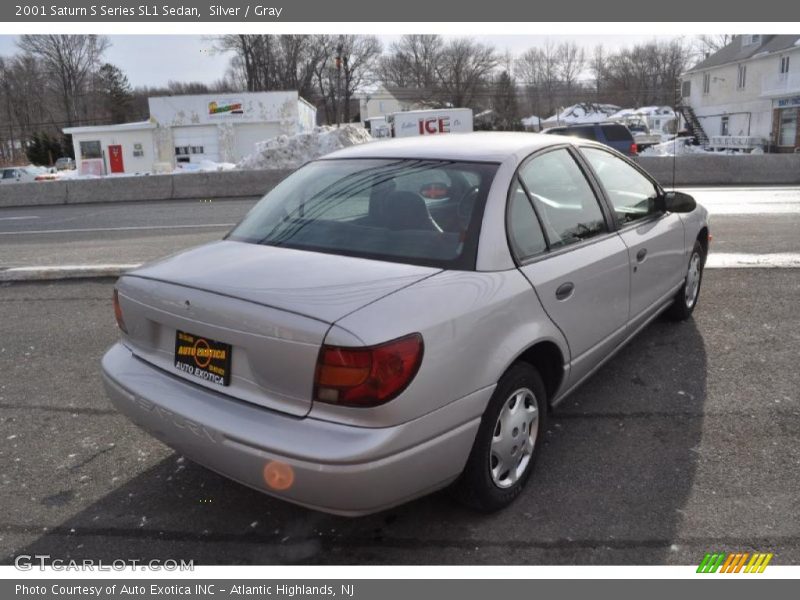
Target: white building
190	129
751	87
382	102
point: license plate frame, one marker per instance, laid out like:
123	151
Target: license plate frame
201	357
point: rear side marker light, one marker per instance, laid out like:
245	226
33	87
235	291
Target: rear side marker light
118	312
367	376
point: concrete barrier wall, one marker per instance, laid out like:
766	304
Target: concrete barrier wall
724	169
690	170
224	184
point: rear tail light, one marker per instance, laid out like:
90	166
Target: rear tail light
634	149
367	376
118	313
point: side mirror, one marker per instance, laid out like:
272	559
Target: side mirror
677	202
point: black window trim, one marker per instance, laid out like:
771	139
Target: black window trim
608	218
618	225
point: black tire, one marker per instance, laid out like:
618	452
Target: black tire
476	487
682	307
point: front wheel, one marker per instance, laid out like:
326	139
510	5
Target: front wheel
507	443
686	297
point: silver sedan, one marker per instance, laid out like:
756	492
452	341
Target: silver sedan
401	316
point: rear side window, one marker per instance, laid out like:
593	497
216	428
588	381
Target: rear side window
563	197
525	233
617	133
402	210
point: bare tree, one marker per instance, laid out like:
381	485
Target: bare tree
69	61
708	44
411	63
273	62
463	71
349	63
598	65
538	69
570	62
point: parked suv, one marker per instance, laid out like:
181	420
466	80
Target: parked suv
615	135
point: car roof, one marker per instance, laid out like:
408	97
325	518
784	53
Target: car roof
482	146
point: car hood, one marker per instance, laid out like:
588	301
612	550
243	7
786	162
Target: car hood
322	286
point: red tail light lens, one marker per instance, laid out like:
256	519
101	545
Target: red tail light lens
367	376
634	149
118	313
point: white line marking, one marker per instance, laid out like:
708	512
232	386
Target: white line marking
778	260
137	228
17	218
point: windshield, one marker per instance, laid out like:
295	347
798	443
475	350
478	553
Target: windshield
414	211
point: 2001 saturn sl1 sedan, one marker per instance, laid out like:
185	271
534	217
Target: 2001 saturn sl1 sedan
400	316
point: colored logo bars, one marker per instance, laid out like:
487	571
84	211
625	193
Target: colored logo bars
734	562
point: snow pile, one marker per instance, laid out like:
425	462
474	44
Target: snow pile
291	152
682	145
532	121
587	112
204	166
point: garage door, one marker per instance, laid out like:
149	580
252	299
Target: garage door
193	144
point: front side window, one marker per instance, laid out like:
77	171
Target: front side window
563	198
402	210
632	195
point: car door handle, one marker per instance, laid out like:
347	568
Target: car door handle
641	254
565	290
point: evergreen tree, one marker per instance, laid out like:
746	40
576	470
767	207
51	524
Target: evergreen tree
115	91
504	104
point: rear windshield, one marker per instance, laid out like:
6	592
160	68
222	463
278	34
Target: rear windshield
617	133
414	211
584	132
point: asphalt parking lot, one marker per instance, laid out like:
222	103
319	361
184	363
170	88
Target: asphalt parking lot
687	441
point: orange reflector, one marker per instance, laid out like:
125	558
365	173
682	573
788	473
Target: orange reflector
278	475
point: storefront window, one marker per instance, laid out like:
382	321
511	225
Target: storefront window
788	132
91	149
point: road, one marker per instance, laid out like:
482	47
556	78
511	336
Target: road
136	232
687	441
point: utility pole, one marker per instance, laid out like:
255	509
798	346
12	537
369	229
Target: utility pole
339	49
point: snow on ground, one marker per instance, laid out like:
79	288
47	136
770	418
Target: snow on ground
673	147
204	166
291	152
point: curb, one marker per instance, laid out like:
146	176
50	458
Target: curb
63	272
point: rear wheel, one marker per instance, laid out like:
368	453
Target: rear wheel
686	297
507	443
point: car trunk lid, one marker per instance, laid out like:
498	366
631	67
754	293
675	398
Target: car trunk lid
273	306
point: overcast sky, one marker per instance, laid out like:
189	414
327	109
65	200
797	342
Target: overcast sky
153	60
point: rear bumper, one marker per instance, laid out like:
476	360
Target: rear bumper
337	468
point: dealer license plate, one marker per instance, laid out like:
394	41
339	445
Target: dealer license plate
203	358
